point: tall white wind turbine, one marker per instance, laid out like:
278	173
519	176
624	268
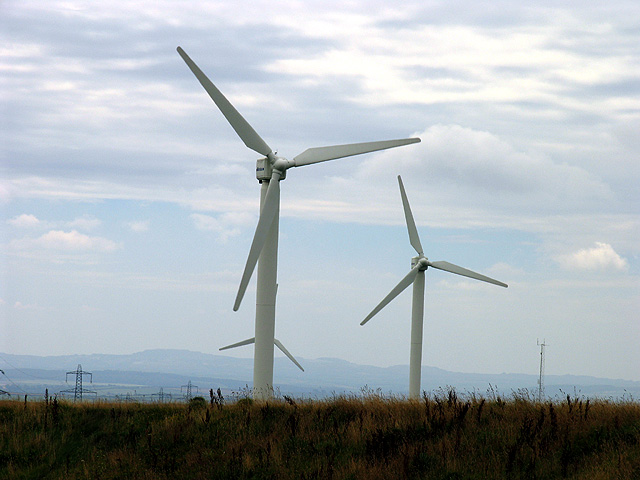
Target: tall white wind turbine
419	265
270	170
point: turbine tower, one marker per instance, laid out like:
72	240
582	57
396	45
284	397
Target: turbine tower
270	170
415	276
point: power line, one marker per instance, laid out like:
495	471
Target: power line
14	384
20	370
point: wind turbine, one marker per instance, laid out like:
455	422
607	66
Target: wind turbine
270	170
419	265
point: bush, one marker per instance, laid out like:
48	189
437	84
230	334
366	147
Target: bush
197	403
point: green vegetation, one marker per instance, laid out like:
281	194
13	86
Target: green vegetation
441	436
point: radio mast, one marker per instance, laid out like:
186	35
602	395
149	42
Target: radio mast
541	379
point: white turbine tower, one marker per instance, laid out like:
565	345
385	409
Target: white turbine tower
419	265
270	170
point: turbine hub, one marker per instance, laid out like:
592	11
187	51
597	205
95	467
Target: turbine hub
420	260
282	164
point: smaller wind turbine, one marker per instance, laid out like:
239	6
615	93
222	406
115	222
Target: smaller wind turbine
419	265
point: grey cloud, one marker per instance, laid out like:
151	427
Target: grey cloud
477	164
507	14
499	14
436	73
621	88
89	124
135	116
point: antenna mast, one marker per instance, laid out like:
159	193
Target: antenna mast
541	379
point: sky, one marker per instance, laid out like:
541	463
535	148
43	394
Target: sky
128	203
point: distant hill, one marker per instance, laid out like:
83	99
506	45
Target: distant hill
144	373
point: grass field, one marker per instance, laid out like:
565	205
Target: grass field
442	436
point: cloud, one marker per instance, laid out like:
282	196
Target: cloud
516	75
58	240
85	222
24	221
140	226
505	272
461	161
73	240
225	226
600	257
4	192
456	155
22	306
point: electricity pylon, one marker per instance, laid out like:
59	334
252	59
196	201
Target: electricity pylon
160	395
78	391
189	386
3	392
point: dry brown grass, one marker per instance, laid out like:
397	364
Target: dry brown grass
440	436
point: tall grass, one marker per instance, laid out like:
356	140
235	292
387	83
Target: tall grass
441	436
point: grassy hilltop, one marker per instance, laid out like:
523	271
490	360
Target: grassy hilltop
439	437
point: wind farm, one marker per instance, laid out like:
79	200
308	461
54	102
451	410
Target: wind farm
132	226
129	205
270	171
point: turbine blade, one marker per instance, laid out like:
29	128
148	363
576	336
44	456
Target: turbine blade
268	213
322	154
450	267
278	344
411	224
404	283
249	341
245	131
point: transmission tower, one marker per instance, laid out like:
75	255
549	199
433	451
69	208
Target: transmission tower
189	387
160	395
541	379
78	391
3	392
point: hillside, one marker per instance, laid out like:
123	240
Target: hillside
144	373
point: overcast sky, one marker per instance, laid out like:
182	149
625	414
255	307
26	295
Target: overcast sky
129	203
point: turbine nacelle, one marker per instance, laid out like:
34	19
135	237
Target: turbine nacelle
422	261
265	167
